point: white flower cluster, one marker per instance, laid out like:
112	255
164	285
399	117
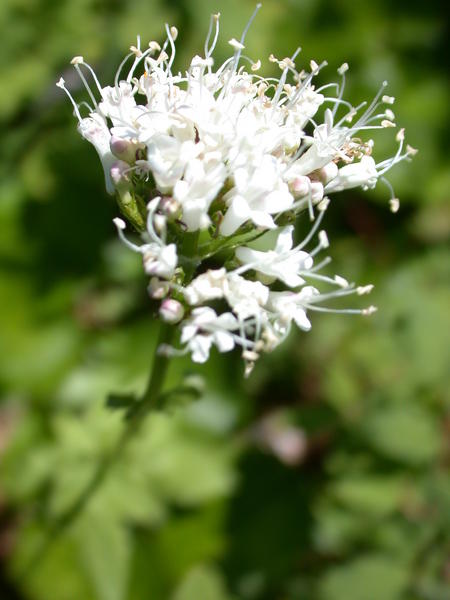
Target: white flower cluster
205	161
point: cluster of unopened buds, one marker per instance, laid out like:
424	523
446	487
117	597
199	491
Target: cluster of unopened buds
206	161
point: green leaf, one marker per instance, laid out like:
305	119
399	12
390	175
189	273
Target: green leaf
376	495
372	577
203	582
104	547
405	433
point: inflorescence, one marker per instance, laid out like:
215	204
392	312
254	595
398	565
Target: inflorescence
206	161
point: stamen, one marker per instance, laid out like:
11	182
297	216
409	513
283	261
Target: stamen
151	208
208	51
116	78
85	83
342	70
339	311
283	77
79	60
373	105
61	84
323	263
172	46
120	225
314	228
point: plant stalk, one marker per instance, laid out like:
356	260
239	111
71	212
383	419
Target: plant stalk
151	399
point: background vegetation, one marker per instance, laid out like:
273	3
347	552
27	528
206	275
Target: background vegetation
325	476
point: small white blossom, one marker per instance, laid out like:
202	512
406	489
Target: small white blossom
159	260
359	174
290	307
283	263
204	328
207	286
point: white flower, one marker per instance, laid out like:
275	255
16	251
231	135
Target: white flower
283	263
359	174
245	297
258	193
207	286
95	131
289	306
159	260
204	328
325	146
201	182
167	158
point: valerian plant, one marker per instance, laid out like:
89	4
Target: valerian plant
205	161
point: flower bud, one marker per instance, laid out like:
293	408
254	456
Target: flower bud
328	172
171	311
157	289
316	191
159	222
170	208
123	149
300	186
119	174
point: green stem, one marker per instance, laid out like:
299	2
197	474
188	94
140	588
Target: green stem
208	250
188	256
151	399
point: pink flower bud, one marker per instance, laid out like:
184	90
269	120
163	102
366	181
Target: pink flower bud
171	311
300	186
170	207
119	174
123	149
316	191
157	289
328	172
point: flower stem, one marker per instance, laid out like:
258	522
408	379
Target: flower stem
151	399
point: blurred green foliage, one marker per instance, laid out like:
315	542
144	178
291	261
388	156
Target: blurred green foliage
325	476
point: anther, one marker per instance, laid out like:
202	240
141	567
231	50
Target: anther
235	44
394	204
119	223
323	205
136	51
314	67
341	281
400	135
364	289
323	239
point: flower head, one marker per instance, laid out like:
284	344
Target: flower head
224	151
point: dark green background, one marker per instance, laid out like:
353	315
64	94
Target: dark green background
203	505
